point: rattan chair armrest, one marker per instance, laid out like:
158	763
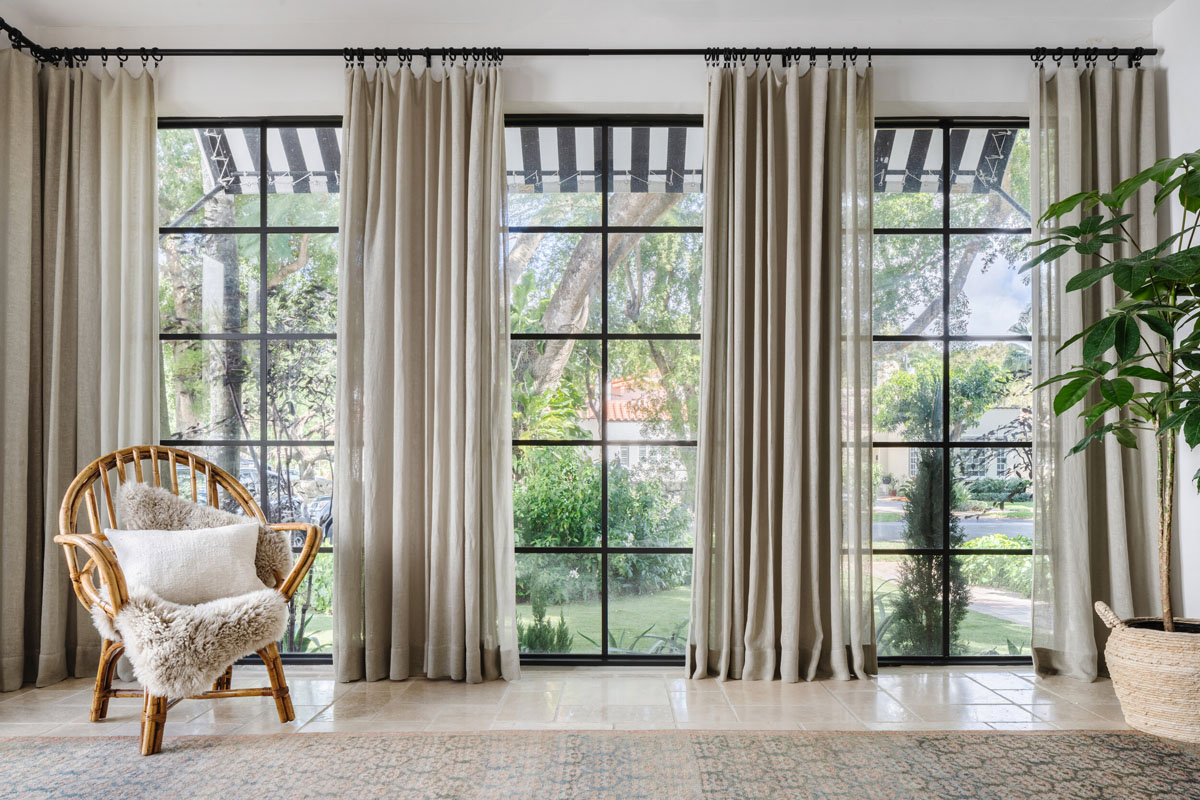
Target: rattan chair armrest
101	560
308	554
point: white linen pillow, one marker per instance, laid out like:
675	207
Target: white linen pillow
191	566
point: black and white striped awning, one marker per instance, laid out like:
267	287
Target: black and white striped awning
568	159
299	160
910	160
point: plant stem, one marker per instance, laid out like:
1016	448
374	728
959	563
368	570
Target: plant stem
1166	497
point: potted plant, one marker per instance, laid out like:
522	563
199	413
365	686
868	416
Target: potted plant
1141	360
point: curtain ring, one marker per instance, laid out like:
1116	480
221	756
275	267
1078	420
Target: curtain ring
868	58
145	56
854	56
1058	56
1113	55
154	56
380	57
122	57
104	57
828	59
812	57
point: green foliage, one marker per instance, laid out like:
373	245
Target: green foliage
1000	490
540	636
1142	359
914	624
1010	573
314	599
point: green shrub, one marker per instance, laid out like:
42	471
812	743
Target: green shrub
1007	572
540	636
1001	490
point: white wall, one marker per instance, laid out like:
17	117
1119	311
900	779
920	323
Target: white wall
1179	131
279	86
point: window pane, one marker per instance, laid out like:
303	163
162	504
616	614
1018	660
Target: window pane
300	487
908	604
310	614
999	610
208	177
654	282
908	498
558	602
555	389
993	298
554	281
304	174
653	390
908	391
656	176
991	178
907	286
651	496
648	605
553	175
908	176
208	283
239	461
556	496
991	391
302	283
993	491
211	389
301	389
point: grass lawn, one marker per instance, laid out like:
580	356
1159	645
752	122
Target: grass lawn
628	616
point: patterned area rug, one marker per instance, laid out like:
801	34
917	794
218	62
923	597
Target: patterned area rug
615	764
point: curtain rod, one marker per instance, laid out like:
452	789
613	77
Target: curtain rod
359	55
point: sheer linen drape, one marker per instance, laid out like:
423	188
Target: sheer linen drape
424	545
1094	513
78	361
781	581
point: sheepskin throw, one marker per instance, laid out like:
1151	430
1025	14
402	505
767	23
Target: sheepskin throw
178	650
141	506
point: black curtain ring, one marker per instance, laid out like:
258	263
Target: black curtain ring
812	57
1058	56
122	56
145	56
868	58
104	57
854	56
1114	54
828	59
155	56
380	56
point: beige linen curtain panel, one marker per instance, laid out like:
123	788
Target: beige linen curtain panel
424	576
1094	513
78	360
781	581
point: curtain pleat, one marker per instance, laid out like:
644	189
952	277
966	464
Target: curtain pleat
424	575
81	331
1095	513
781	585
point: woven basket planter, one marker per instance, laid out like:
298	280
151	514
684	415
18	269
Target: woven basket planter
1156	674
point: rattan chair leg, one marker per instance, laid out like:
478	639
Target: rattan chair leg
279	687
154	719
110	653
224	682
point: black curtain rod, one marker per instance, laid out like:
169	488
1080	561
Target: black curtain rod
711	54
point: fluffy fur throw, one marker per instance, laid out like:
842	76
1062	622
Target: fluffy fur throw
142	507
179	650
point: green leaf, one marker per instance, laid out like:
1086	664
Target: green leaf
1067	205
1159	325
1130	276
1118	391
1102	337
1094	412
1088	277
1090	247
1094	436
1189	192
1071	394
1046	256
1145	373
1191	428
1190	360
1128	338
1125	437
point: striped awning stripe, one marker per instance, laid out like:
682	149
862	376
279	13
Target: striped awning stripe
911	160
568	159
299	160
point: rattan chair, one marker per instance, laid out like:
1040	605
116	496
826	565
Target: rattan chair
99	581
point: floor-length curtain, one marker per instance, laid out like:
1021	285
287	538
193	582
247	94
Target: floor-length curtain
781	579
424	543
79	356
1095	513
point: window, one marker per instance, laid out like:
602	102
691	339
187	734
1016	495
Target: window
605	259
248	297
953	519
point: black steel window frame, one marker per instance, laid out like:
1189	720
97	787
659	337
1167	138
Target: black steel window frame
263	337
943	125
606	123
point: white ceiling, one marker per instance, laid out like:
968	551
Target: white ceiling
174	13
